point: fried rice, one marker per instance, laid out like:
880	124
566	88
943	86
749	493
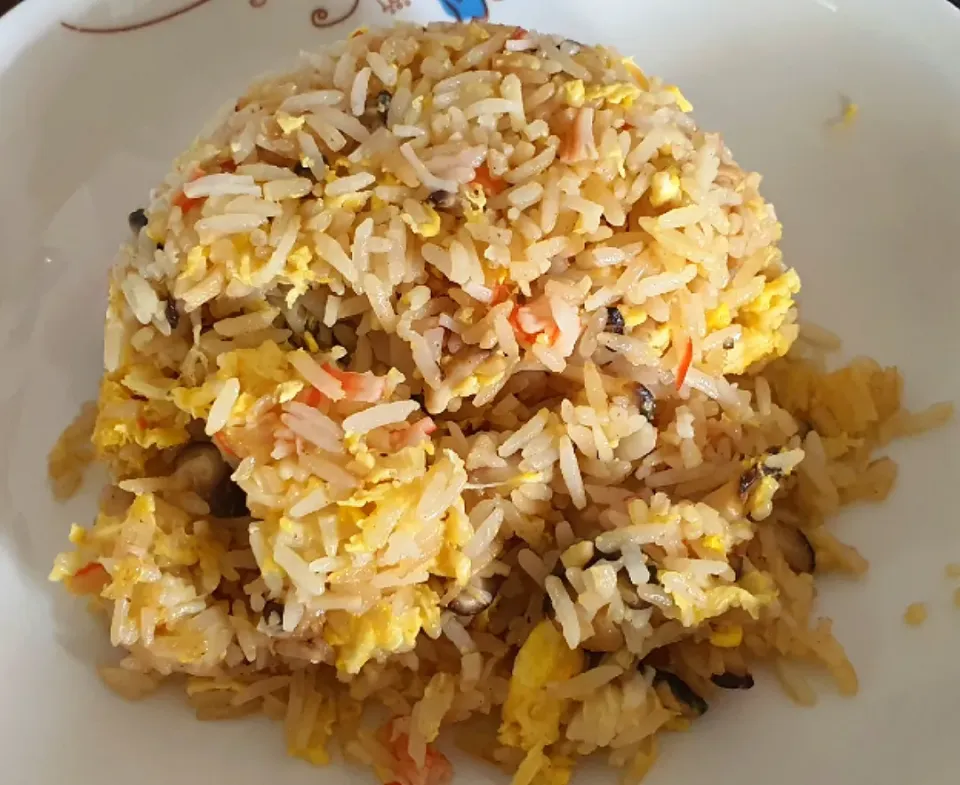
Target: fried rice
447	384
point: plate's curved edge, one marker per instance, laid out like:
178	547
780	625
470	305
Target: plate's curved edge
321	15
22	25
142	24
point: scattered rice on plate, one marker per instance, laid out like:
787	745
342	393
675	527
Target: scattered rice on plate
916	614
448	374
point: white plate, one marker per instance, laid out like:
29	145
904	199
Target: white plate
89	123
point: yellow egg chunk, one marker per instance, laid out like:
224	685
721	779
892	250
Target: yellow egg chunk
380	631
664	188
763	321
531	716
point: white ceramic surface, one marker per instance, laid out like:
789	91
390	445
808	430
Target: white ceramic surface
89	122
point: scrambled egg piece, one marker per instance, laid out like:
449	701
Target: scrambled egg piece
123	419
451	562
299	274
664	187
261	371
850	112
195	401
381	631
132	571
288	123
242	263
636	73
633	315
469	386
682	103
575	94
751	595
762	484
762	319
714	543
352	202
719	318
477	202
727	636
537	768
428	228
531	714
760	501
766	312
618	93
753	346
659	339
196	264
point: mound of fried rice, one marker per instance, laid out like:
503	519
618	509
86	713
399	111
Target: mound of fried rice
447	385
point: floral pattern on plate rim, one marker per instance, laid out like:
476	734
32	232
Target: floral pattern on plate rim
320	16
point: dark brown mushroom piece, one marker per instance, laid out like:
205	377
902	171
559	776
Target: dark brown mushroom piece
771	471
272	608
384	99
304	171
137	220
172	314
375	112
646	402
476	597
442	200
726	499
735	560
546	606
747	480
796	548
615	321
732	681
201	468
594	659
672	689
228	500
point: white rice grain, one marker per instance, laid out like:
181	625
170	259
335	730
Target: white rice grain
423	174
358	92
314	373
378	416
571	473
349	185
222	406
305	102
518	440
564	609
221	185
